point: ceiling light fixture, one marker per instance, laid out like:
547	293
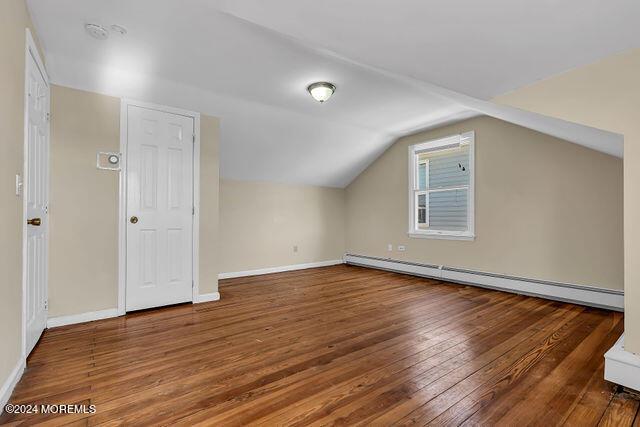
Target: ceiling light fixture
321	91
97	31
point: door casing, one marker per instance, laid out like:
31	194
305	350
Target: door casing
122	205
31	51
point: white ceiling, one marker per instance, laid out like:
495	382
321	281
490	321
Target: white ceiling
249	63
479	48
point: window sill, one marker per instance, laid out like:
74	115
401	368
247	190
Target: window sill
439	236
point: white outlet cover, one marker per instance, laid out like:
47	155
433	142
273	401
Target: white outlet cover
401	248
390	247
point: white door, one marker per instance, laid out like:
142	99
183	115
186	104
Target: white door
36	193
159	208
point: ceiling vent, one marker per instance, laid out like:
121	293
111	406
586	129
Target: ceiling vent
97	31
119	29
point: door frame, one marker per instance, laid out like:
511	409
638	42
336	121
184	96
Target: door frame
122	203
31	51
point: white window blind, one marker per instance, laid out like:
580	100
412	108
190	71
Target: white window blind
441	188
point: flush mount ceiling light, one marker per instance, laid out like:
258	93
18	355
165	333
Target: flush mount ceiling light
321	91
97	31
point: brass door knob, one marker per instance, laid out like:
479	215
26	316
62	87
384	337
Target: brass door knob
35	222
133	219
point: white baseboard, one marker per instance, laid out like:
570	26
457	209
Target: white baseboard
622	367
585	295
213	296
112	312
10	383
82	317
279	269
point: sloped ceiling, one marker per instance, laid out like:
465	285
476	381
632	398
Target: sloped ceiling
399	67
478	48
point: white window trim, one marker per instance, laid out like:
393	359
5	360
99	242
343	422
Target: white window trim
414	232
416	194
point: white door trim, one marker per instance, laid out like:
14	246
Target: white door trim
122	204
30	50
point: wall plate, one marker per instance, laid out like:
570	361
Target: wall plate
108	161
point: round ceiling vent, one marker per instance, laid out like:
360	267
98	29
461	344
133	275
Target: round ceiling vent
97	31
119	29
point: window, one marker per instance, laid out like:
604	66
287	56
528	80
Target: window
441	188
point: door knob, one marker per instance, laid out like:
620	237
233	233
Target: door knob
133	219
35	222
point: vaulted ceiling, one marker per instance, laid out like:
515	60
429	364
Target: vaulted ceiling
399	67
479	48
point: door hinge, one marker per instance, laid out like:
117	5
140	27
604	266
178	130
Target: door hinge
193	210
193	138
48	116
46	304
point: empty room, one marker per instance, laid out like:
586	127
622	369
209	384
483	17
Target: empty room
303	213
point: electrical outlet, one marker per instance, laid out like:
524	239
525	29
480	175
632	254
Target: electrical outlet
295	248
401	248
390	247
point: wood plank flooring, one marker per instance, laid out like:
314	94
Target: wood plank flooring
338	345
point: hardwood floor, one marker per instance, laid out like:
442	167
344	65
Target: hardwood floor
338	345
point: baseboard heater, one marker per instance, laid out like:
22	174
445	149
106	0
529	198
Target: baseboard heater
622	367
585	295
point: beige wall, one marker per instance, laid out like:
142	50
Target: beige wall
209	197
545	208
83	266
14	18
606	95
262	222
83	239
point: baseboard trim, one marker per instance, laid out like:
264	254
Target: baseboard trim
82	317
10	383
279	269
112	312
622	367
585	295
213	296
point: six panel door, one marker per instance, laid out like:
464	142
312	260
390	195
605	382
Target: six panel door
159	208
36	193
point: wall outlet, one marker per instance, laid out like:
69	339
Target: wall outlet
401	248
295	248
390	247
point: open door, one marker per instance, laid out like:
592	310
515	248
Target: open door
36	197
